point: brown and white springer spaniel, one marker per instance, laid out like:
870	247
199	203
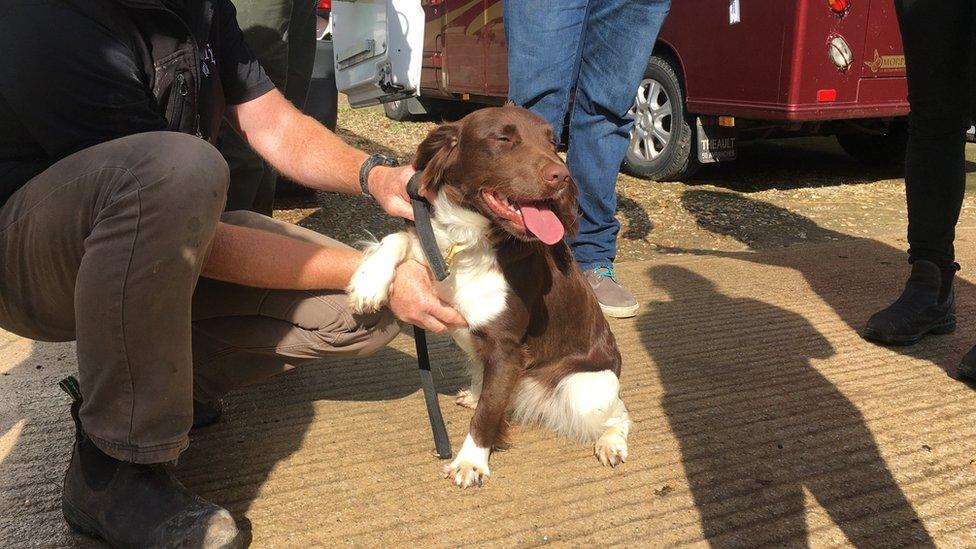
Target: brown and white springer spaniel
541	350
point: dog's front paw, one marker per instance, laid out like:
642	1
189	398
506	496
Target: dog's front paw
369	290
470	467
464	473
611	449
467	399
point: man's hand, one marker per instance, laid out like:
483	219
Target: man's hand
412	300
389	187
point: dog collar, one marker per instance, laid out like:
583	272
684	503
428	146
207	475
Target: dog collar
425	232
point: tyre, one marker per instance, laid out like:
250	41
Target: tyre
398	110
662	140
427	108
877	150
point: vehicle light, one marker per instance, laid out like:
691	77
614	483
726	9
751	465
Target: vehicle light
840	7
840	52
324	5
826	96
726	121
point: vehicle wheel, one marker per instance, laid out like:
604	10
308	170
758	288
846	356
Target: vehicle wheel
446	110
877	150
662	141
398	110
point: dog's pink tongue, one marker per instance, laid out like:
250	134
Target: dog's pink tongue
542	223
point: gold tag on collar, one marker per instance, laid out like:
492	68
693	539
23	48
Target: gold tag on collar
449	258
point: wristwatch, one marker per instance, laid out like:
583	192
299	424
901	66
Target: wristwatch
368	165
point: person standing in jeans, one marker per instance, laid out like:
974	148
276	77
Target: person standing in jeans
938	37
599	49
281	33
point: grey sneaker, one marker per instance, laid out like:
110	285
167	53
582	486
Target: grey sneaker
615	300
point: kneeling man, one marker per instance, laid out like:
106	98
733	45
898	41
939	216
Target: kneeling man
111	234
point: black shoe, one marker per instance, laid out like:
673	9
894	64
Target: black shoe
917	312
134	505
967	368
206	413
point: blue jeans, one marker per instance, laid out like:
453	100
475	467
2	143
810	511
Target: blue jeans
600	48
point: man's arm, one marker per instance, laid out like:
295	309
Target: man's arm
253	257
307	152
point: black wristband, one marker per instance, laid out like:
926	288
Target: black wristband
368	165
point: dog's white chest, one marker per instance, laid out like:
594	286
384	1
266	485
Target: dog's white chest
476	287
480	294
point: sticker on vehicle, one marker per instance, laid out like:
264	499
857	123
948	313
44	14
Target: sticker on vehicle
734	16
715	143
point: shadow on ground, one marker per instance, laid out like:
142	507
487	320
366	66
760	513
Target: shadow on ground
757	427
227	463
639	224
347	218
795	163
832	278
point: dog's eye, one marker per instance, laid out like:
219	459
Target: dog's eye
503	138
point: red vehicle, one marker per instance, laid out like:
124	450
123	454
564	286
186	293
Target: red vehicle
722	71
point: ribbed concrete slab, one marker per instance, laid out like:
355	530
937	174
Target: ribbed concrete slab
761	418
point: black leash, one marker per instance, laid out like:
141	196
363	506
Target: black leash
425	232
441	441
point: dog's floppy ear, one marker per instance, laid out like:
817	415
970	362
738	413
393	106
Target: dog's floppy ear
435	154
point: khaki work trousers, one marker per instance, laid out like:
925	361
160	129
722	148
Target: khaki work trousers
106	247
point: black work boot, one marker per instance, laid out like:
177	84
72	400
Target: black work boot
206	413
134	505
967	368
927	306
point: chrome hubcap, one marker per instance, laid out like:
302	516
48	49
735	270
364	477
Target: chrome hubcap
652	115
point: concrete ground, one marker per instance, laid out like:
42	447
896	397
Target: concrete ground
761	417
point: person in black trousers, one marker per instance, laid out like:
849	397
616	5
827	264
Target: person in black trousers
938	36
